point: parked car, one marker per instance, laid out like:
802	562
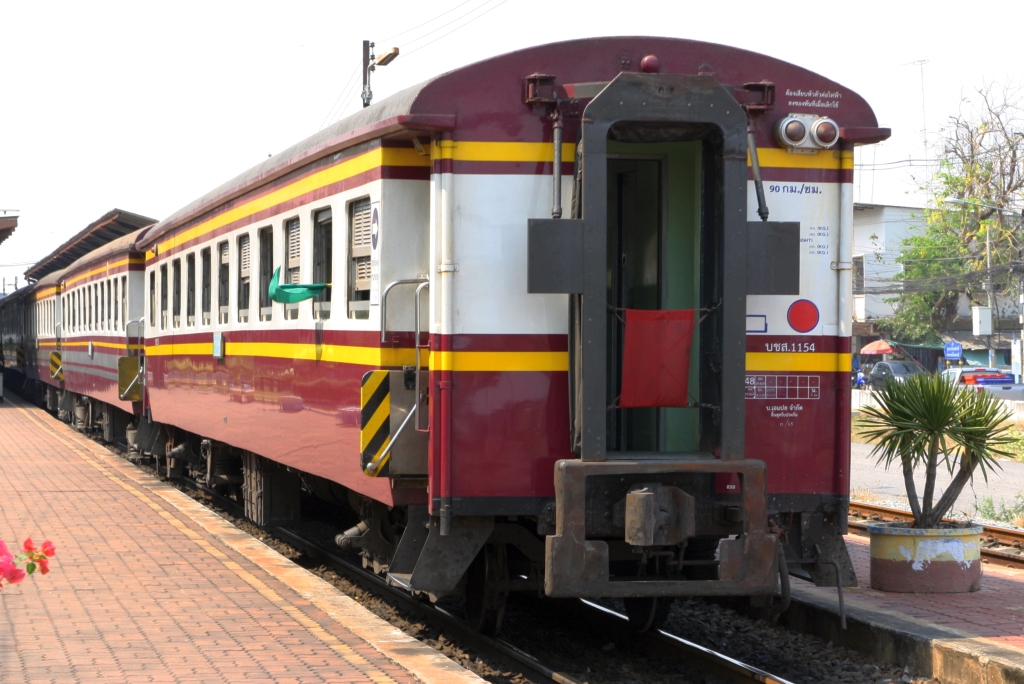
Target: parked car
897	370
987	379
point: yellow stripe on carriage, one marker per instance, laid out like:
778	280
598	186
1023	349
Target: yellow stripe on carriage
469	150
501	361
381	156
825	159
823	362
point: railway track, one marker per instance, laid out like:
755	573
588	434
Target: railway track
610	621
1000	545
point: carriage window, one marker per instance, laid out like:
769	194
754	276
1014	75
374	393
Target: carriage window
91	303
359	253
152	299
124	302
176	292
223	293
110	300
322	262
207	285
244	276
190	289
114	304
293	245
163	297
266	269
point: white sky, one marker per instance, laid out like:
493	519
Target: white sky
145	107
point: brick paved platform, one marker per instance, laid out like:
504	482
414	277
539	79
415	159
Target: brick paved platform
973	638
148	585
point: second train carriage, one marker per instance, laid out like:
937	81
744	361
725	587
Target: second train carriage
484	403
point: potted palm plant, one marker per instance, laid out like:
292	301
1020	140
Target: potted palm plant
927	423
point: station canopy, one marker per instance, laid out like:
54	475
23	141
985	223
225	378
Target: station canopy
8	222
112	225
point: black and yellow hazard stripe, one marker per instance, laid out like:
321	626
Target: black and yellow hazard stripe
56	369
20	354
375	421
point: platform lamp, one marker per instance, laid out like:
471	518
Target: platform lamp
370	64
988	261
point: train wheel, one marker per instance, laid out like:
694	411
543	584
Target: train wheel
487	590
647	613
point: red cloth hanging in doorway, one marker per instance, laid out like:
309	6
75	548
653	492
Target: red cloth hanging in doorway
656	358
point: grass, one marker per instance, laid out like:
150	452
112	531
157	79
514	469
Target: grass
1013	513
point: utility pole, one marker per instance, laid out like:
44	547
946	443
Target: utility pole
988	286
367	68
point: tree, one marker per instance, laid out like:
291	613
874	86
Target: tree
981	161
927	422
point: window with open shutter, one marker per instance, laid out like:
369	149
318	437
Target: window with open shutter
359	250
323	248
244	264
190	289
207	286
163	297
152	299
223	291
176	285
266	236
293	245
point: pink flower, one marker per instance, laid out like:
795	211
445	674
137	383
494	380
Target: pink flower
49	549
28	545
11	572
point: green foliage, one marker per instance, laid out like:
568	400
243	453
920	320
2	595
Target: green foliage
1014	513
981	162
927	422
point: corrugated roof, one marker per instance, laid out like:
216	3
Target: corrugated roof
8	222
112	225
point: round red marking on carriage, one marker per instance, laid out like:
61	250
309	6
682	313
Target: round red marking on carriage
650	64
802	315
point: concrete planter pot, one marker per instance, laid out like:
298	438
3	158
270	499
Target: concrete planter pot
908	560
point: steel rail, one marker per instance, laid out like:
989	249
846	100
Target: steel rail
674	646
990	534
663	642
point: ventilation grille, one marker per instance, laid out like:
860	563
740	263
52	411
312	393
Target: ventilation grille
361	216
292	228
362	265
225	254
244	254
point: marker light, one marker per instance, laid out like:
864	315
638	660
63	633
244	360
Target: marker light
825	132
650	64
806	133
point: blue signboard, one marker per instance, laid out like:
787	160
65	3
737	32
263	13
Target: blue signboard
954	350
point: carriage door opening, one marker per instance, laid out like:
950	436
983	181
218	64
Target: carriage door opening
653	263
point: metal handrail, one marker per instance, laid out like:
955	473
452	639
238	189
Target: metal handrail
128	337
53	376
123	396
384	302
418	346
141	375
374	465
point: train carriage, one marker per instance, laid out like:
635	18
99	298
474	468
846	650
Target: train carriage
572	319
101	309
45	367
16	340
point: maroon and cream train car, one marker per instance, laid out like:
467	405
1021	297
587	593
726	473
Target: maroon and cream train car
100	311
43	347
544	439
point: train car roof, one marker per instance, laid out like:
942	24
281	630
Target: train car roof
111	225
486	100
51	278
122	245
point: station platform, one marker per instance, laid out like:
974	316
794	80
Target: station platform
150	586
975	638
